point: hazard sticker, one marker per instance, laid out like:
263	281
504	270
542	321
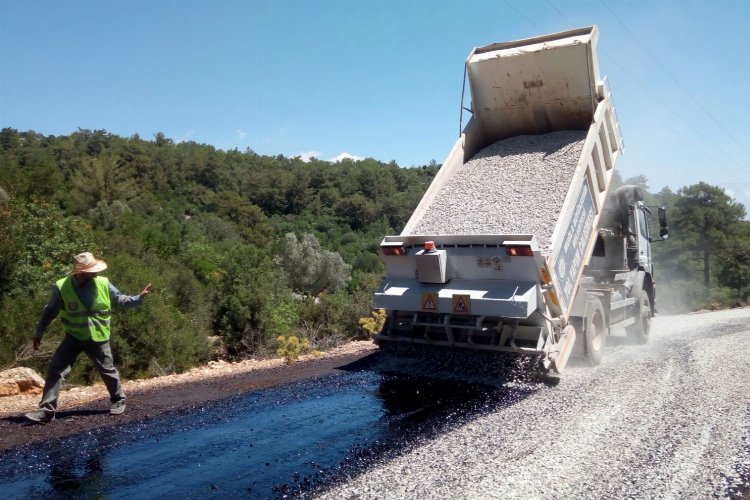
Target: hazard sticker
462	304
489	261
430	302
484	261
497	263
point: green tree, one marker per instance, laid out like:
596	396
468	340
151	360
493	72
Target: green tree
706	218
309	268
638	180
734	269
248	298
99	180
37	244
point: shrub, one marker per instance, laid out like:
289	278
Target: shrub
169	330
18	316
156	332
251	301
291	346
373	323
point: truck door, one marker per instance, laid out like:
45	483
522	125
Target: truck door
644	242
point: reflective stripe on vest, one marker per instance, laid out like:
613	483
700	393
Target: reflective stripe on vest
82	323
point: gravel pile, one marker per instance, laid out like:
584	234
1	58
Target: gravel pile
515	186
665	420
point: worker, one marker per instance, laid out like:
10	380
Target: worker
84	302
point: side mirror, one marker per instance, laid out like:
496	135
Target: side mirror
664	230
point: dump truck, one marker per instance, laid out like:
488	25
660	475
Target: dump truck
519	245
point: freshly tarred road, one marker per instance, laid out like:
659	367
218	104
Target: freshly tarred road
15	431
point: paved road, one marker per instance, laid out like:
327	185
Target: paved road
665	420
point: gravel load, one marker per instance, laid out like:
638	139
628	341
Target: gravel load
668	419
515	186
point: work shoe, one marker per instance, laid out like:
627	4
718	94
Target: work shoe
41	416
117	408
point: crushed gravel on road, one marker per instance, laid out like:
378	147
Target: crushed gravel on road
514	186
664	420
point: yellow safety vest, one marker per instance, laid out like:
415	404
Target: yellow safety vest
82	323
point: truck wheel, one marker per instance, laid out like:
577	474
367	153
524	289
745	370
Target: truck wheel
386	326
642	327
594	332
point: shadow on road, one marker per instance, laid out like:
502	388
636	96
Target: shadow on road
60	415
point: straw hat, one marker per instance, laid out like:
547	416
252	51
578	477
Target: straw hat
86	263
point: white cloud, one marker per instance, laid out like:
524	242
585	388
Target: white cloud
309	155
737	189
740	192
345	156
241	134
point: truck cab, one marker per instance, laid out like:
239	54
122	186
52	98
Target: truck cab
621	263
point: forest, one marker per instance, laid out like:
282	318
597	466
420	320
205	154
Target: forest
248	252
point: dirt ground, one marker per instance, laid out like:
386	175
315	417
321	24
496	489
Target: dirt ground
82	409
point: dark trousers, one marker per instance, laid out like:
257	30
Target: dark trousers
100	353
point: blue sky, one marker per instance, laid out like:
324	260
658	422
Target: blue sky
378	79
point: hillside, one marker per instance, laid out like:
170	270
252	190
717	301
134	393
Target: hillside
241	248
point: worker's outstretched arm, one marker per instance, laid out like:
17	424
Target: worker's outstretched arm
123	301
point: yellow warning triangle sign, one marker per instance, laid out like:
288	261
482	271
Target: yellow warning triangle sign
462	304
429	302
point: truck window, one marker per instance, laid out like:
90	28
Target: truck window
643	222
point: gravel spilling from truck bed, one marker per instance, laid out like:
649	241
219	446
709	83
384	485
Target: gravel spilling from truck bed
442	363
515	186
664	420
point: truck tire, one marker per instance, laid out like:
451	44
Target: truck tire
639	332
594	331
386	326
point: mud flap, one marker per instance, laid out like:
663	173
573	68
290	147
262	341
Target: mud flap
568	339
